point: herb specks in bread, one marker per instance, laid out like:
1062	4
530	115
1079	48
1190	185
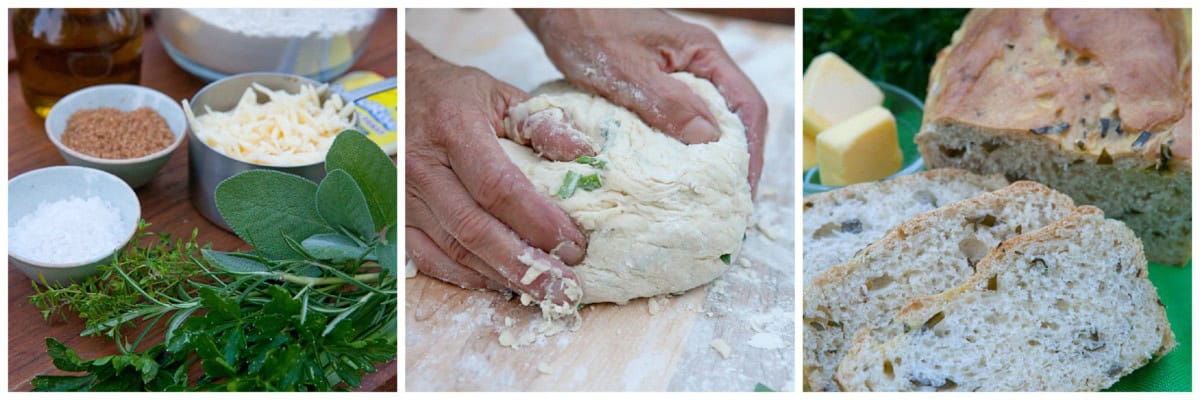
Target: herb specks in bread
852	226
1051	129
1141	139
1076	326
1164	156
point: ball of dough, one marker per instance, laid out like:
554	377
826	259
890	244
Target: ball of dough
666	217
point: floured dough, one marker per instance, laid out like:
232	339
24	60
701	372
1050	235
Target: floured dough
665	213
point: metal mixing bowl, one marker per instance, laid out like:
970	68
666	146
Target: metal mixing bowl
207	167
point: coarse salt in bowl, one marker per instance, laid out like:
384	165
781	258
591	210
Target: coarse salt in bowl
64	221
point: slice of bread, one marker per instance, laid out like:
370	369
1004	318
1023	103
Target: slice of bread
1064	308
839	223
930	253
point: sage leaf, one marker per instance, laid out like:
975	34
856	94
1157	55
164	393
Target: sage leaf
333	247
386	253
237	263
372	169
341	203
261	205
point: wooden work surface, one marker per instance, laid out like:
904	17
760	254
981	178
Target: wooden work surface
451	334
164	201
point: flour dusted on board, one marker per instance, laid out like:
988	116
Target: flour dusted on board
72	230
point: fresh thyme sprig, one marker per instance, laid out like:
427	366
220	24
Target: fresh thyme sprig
159	266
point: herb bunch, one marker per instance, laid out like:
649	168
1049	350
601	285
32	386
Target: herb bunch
157	265
313	307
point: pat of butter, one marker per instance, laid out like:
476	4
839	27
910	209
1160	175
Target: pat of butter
833	92
863	148
810	152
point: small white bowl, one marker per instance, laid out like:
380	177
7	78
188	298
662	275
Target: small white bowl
28	190
135	171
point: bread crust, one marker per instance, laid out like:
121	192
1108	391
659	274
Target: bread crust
1077	96
989	182
1027	69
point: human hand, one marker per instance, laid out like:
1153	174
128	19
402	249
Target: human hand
626	56
467	206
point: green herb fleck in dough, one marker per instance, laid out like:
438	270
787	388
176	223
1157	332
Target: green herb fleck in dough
590	182
570	182
593	161
725	258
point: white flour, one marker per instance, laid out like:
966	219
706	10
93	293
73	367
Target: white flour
287	22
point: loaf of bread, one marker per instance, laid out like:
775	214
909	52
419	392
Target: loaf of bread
1093	103
930	253
1067	307
839	223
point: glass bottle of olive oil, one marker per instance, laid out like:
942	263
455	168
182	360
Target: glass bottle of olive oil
60	51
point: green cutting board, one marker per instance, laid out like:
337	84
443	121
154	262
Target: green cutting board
1173	372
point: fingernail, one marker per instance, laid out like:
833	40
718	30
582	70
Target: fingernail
698	130
568	252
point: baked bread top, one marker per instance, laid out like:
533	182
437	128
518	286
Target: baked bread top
1096	81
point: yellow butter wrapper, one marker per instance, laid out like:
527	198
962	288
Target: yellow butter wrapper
377	114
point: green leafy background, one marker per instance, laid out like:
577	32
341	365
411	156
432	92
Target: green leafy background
897	46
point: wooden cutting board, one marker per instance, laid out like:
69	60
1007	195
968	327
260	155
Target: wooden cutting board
452	335
452	343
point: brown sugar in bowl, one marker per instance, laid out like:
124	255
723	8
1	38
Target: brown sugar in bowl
113	134
135	171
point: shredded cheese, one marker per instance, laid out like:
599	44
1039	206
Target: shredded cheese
287	130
